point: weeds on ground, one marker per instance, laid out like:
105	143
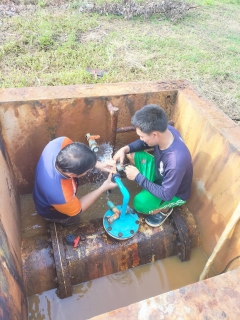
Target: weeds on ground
55	46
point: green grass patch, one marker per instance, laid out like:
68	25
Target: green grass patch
54	47
214	2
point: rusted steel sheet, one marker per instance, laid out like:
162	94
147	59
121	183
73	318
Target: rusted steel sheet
90	90
214	142
41	114
215	298
13	301
99	255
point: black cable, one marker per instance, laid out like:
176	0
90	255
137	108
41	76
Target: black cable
229	264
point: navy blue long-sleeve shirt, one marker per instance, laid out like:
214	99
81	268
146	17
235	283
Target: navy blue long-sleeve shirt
173	166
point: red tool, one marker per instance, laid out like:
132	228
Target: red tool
76	242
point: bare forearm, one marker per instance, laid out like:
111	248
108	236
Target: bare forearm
87	200
126	149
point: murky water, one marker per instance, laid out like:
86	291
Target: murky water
33	224
114	291
118	290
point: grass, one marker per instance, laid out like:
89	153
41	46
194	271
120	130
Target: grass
54	46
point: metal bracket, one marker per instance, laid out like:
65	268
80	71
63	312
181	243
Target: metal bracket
63	275
183	240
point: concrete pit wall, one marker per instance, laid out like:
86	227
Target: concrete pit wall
31	117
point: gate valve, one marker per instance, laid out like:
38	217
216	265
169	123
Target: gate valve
120	222
92	143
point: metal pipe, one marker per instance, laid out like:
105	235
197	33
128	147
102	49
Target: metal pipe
132	128
126	195
91	139
99	255
114	119
126	129
115	210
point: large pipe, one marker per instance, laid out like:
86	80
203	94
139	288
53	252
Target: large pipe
99	255
39	270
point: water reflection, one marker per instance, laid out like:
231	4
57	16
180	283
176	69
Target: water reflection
82	289
118	290
122	278
36	307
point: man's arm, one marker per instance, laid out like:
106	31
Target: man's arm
135	146
87	200
166	191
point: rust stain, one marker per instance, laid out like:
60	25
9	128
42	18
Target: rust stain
16	113
134	253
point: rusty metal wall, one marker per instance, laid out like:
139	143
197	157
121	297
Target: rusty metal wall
214	141
12	293
31	117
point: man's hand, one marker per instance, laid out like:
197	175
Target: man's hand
108	184
106	166
131	172
120	154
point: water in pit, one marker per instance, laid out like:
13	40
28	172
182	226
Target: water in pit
114	291
118	290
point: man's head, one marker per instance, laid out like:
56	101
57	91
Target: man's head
76	158
150	122
150	118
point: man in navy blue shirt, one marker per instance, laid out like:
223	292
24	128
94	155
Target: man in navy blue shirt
165	177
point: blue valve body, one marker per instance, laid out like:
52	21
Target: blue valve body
127	225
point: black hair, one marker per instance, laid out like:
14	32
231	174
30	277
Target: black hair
150	118
76	158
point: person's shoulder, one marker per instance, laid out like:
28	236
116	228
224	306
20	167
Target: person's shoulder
176	134
62	141
173	130
55	144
